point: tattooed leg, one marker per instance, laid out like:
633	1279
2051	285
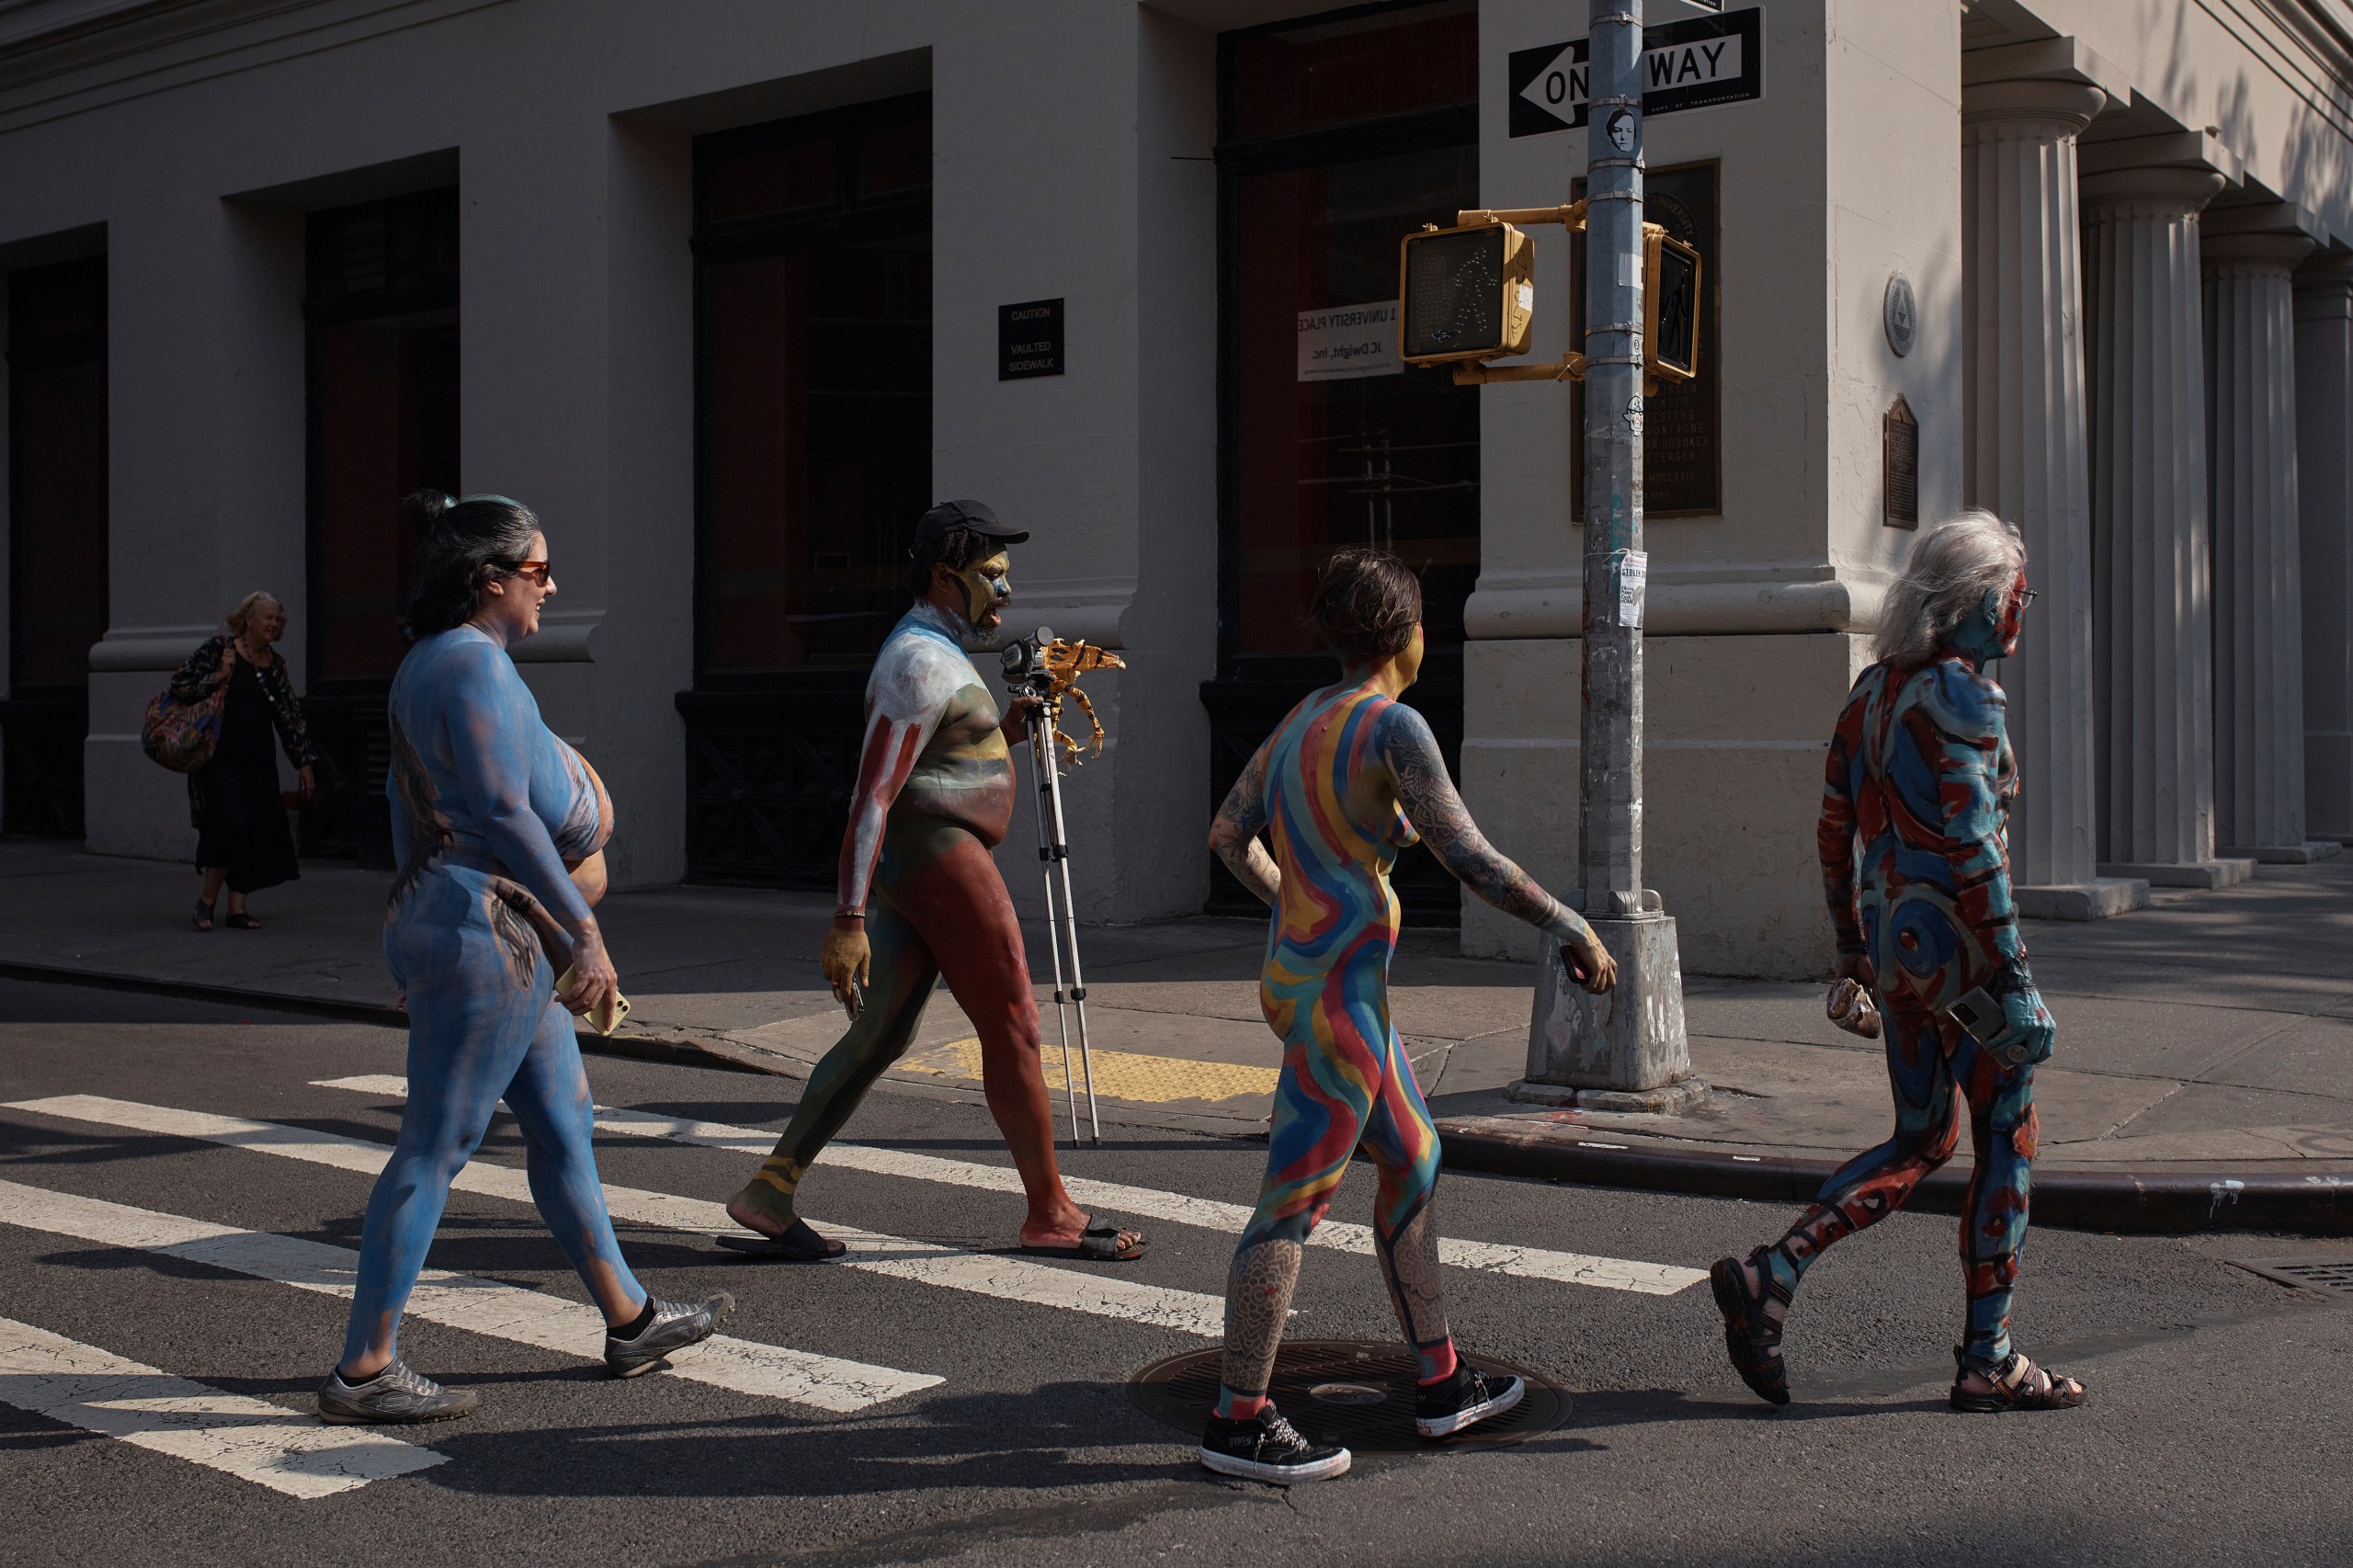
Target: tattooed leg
1257	1303
1409	1266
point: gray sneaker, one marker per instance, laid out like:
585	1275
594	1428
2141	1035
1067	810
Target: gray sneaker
394	1395
675	1326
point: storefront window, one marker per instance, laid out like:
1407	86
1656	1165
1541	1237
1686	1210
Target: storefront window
1339	137
817	406
383	346
1360	452
57	538
57	469
1345	137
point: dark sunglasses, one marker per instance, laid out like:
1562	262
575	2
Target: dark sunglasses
538	570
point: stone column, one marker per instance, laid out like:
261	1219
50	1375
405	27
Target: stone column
2151	581
2023	459
2251	482
2324	308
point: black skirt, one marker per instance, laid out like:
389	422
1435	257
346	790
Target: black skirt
245	827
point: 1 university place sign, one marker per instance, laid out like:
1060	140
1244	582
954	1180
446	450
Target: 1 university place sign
1696	63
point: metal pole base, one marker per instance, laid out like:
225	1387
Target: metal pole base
1627	1047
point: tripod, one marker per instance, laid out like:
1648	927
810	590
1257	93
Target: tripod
1062	919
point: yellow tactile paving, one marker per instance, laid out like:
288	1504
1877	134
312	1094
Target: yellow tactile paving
1119	1074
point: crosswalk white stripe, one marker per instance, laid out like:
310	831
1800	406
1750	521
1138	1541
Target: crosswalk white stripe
454	1300
1006	1279
251	1439
1122	1200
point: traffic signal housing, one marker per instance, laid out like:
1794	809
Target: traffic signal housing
1466	293
1670	307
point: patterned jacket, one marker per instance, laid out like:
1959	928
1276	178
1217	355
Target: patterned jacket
1915	802
201	676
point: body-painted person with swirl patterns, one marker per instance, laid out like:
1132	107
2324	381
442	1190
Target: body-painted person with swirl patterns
1342	785
1916	793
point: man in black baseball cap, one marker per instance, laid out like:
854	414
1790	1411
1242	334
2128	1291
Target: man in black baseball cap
973	516
920	900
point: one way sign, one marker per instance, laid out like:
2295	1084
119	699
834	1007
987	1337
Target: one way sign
1697	64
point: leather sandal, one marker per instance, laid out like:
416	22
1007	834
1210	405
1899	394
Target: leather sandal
2016	1382
1752	1339
203	921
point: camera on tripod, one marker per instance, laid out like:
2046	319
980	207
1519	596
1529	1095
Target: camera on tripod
1026	670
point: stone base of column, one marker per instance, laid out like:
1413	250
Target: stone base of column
2303	854
2102	898
2187	873
1679	1099
1628	1042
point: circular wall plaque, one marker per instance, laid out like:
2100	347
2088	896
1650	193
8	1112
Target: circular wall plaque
1902	314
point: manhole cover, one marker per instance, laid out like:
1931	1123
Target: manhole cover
2334	1275
1357	1392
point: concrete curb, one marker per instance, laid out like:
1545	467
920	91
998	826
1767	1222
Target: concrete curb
2143	1202
673	1051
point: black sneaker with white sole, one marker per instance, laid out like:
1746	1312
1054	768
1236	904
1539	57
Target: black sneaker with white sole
396	1395
1440	1410
1267	1448
661	1329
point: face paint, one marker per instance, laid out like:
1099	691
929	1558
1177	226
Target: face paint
988	587
1993	631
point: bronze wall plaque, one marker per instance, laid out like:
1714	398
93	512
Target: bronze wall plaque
1682	425
1900	448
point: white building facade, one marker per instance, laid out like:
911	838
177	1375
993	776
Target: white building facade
728	291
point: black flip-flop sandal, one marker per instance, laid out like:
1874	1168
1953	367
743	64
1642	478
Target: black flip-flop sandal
1098	1242
798	1244
1752	1339
203	921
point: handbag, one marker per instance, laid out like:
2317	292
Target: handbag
180	735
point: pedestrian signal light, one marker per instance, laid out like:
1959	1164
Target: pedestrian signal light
1670	307
1467	293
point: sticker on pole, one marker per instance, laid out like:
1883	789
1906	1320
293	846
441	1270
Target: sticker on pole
1631	568
1699	63
1349	341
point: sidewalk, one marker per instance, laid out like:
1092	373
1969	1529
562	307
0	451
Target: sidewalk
2203	1080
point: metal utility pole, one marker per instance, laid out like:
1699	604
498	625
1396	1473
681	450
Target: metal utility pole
1625	1051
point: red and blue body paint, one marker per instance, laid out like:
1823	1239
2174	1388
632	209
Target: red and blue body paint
1917	793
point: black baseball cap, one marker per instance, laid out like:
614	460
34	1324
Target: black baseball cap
973	516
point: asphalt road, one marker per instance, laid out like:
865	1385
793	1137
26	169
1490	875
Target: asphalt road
2220	1429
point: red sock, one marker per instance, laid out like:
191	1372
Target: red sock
1235	1406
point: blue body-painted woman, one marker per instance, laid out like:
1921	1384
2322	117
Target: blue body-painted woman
491	815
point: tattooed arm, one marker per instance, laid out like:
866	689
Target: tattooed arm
1234	834
1428	799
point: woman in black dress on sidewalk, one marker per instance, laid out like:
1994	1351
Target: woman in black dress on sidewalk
242	838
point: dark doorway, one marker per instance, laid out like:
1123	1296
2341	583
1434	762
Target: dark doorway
812	248
381	312
1338	137
57	537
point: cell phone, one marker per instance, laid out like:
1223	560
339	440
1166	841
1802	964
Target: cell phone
1979	1015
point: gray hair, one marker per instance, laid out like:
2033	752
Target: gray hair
1952	568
